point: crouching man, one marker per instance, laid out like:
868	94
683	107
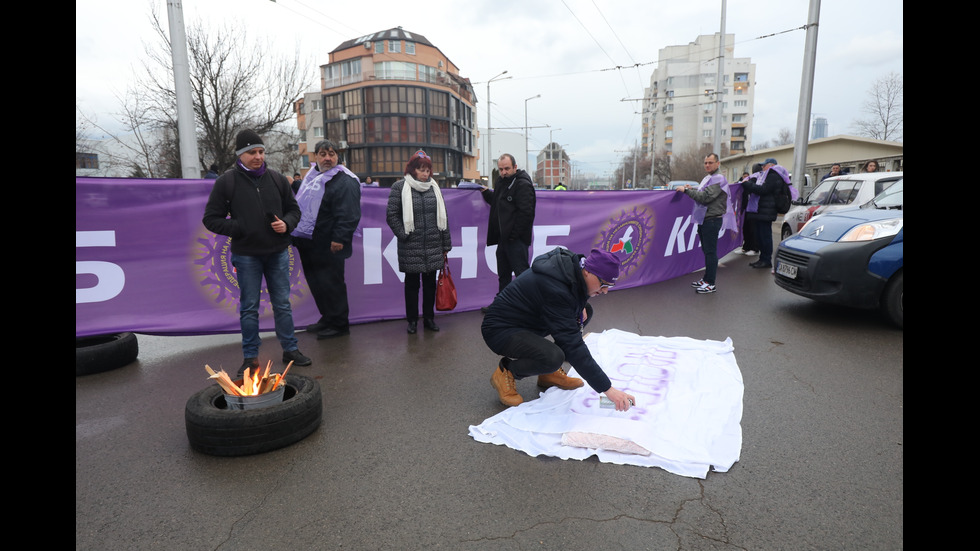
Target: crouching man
551	298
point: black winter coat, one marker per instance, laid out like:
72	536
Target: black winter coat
242	207
512	204
767	196
547	300
422	250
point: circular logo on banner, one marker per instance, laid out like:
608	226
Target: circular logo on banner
218	281
629	234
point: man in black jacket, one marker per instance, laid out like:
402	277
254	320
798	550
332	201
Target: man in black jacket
551	298
511	218
254	205
330	200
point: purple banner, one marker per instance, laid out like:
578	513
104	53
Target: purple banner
145	263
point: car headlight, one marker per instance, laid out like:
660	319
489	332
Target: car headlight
874	230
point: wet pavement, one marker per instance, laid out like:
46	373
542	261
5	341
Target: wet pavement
392	466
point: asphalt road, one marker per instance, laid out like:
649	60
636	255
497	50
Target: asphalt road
392	466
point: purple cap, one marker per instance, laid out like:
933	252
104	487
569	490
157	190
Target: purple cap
603	264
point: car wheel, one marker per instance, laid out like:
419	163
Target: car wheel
214	429
786	233
892	302
99	353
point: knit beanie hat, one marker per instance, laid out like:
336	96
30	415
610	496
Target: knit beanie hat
246	140
602	264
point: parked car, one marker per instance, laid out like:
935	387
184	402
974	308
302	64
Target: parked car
674	184
839	192
852	257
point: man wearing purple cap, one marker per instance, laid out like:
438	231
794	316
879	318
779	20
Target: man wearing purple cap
551	298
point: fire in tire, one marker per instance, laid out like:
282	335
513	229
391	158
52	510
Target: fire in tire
214	429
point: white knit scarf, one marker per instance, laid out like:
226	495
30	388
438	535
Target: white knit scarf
408	212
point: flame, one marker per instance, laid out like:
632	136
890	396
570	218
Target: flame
253	383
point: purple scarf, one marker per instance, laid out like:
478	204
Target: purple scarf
310	195
728	220
257	173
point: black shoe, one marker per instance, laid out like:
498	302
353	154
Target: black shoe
316	327
296	357
761	264
413	327
249	363
430	324
330	332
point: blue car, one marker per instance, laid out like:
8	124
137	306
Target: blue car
850	257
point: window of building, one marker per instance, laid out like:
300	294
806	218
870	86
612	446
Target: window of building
736	117
86	160
706	133
317	104
394	46
395	70
741	103
379	47
318	132
706	119
438	104
352	103
409	48
439	132
333	105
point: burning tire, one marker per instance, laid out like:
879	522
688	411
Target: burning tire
215	430
100	353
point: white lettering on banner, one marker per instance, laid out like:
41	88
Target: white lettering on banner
681	225
111	277
541	235
375	257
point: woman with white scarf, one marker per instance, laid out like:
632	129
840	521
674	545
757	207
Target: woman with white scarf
417	215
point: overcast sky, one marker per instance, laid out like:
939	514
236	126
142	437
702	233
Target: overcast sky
566	50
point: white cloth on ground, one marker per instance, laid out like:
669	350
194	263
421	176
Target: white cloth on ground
687	414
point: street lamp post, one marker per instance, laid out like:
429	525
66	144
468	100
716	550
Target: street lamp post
525	126
490	127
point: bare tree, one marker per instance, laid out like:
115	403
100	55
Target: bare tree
785	137
661	169
884	109
689	165
644	166
236	83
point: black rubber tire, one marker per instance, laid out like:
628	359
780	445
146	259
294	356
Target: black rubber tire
100	353
785	233
892	301
215	430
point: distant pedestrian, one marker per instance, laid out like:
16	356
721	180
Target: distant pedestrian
834	171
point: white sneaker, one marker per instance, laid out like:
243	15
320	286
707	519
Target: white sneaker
706	288
697	283
751	253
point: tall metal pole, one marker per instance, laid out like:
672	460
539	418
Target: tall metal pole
490	130
526	153
182	87
806	96
720	86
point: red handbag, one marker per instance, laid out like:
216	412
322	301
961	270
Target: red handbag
446	289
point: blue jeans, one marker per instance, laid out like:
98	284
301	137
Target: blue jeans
708	232
249	270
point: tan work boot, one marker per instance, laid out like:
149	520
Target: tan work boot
503	381
560	380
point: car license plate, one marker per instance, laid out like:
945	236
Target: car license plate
786	270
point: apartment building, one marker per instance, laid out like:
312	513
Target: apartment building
386	95
680	104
